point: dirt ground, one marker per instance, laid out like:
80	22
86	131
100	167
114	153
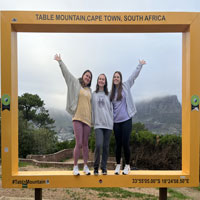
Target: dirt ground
87	194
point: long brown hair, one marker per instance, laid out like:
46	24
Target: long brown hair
81	79
119	92
105	88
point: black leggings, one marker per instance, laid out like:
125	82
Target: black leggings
122	133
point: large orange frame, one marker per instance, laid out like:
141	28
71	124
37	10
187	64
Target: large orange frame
101	22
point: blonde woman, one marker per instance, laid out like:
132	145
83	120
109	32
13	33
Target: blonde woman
79	106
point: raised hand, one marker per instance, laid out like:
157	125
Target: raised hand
142	62
57	57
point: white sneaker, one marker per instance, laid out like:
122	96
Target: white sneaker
75	170
117	169
126	169
86	170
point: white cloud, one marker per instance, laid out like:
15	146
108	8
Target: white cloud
103	5
101	53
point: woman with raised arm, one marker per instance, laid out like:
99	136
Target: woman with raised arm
79	106
123	111
102	117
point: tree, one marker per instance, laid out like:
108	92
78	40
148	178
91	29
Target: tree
36	134
139	127
45	141
32	108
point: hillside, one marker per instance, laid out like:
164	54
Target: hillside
63	124
160	115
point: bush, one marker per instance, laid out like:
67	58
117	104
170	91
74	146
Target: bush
155	152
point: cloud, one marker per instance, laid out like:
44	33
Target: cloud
103	5
101	53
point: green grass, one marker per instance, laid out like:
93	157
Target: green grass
24	164
176	195
68	191
197	188
70	168
76	196
119	193
64	159
44	165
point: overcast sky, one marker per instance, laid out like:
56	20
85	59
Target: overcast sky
101	53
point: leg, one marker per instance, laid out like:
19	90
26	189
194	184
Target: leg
86	133
106	142
118	140
78	132
126	129
98	147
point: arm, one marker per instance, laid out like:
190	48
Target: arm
135	74
66	73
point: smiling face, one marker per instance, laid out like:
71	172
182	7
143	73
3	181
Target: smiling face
101	81
87	78
116	79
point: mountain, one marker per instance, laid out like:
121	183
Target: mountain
63	124
160	115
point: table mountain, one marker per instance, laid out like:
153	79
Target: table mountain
161	115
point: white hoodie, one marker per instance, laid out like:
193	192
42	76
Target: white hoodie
74	87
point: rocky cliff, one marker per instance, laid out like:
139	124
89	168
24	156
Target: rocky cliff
160	115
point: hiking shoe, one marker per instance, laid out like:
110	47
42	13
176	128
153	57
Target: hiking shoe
86	170
126	170
75	170
96	172
117	169
104	172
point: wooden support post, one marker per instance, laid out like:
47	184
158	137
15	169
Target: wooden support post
162	193
38	193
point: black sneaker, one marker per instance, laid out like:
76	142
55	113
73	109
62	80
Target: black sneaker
104	172
96	172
